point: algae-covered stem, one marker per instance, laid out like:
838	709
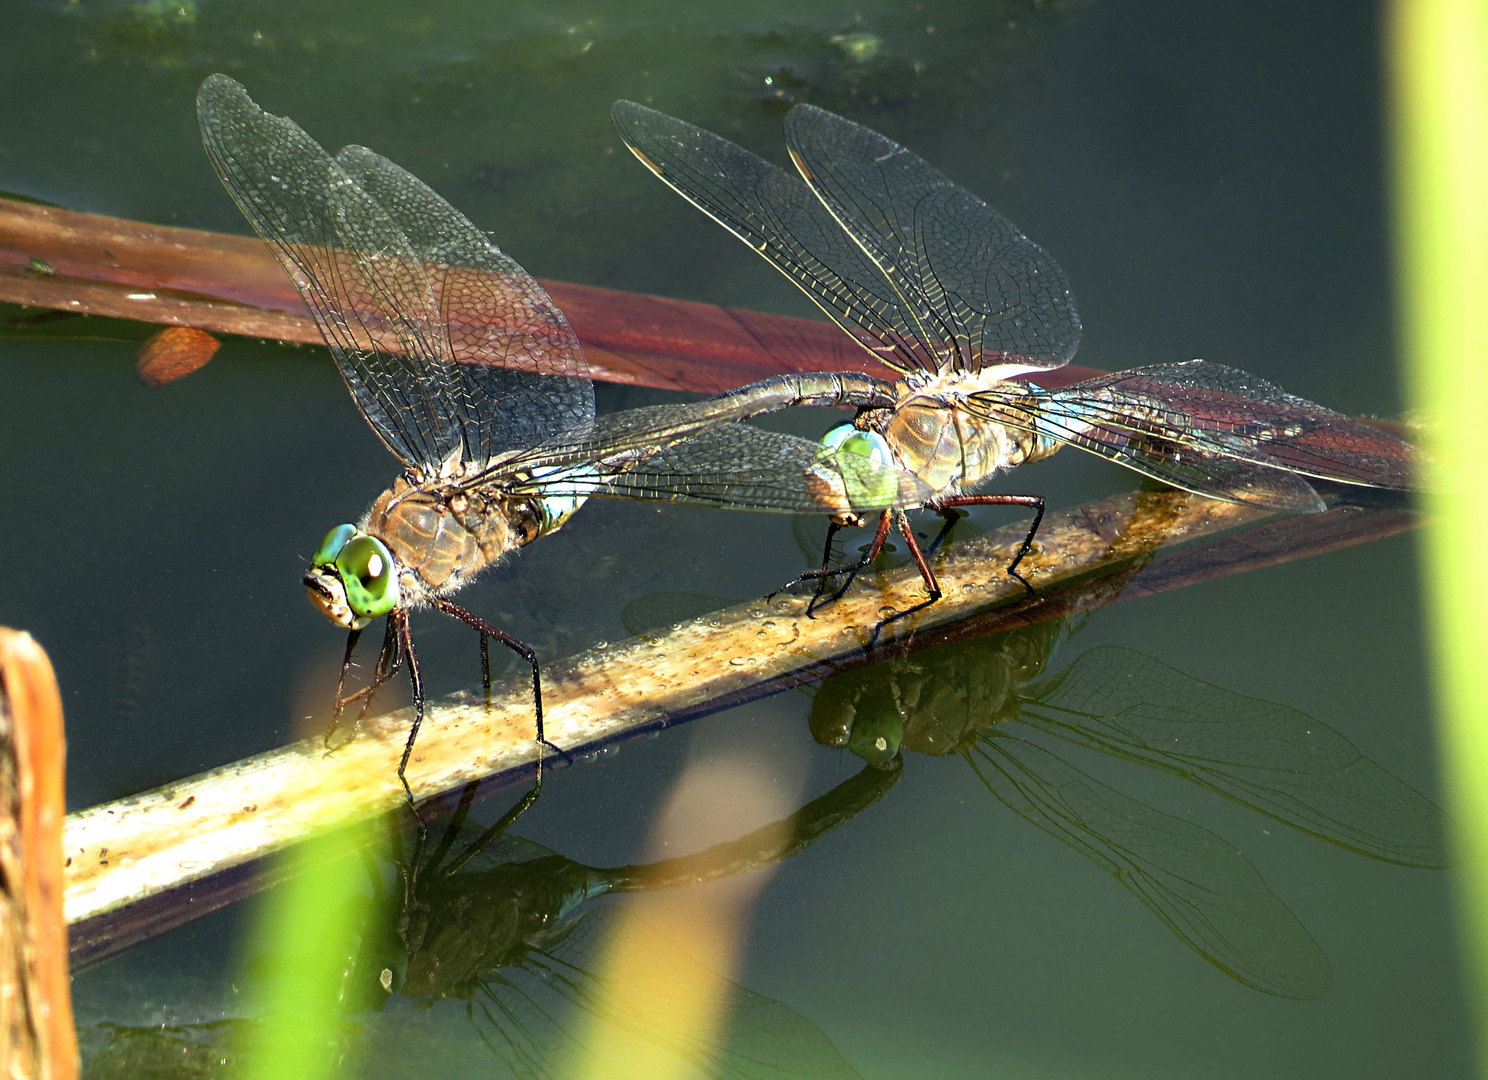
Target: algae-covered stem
124	852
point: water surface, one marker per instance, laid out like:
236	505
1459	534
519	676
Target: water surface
1208	177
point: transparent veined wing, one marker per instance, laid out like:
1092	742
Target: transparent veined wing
1176	421
528	1008
777	215
733	466
1267	756
1204	890
968	274
519	376
370	289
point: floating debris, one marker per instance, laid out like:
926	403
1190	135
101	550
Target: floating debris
173	353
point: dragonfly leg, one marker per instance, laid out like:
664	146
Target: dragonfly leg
486	629
885	521
389	663
1036	502
949	517
481	842
341	701
828	554
399	620
932	586
451	830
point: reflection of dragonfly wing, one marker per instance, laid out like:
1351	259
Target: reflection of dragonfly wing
778	215
1208	893
418	307
1269	757
1172	421
735	466
527	1014
969	276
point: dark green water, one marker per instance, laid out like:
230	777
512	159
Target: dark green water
1210	178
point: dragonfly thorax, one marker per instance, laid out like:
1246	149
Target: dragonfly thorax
443	538
938	438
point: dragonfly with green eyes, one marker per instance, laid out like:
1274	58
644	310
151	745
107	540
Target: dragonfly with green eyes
947	292
474	380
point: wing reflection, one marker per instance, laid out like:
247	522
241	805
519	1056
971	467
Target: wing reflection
984	700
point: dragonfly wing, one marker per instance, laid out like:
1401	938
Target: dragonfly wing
735	466
971	278
1267	756
622	438
1169	411
1186	467
777	215
1205	891
519	376
363	284
763	1039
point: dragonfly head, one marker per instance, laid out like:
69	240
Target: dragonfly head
860	714
353	578
856	471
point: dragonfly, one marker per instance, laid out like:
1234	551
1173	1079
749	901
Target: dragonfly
472	377
953	297
990	702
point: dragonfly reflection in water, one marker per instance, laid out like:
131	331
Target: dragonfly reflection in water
507	927
950	294
984	700
504	930
474	380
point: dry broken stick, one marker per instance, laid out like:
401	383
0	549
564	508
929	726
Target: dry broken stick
148	845
36	1031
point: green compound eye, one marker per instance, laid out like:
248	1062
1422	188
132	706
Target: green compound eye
331	546
877	734
846	439
368	574
866	472
859	715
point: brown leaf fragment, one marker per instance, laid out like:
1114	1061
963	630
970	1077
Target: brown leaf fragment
173	353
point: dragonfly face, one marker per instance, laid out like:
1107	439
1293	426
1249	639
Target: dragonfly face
353	578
